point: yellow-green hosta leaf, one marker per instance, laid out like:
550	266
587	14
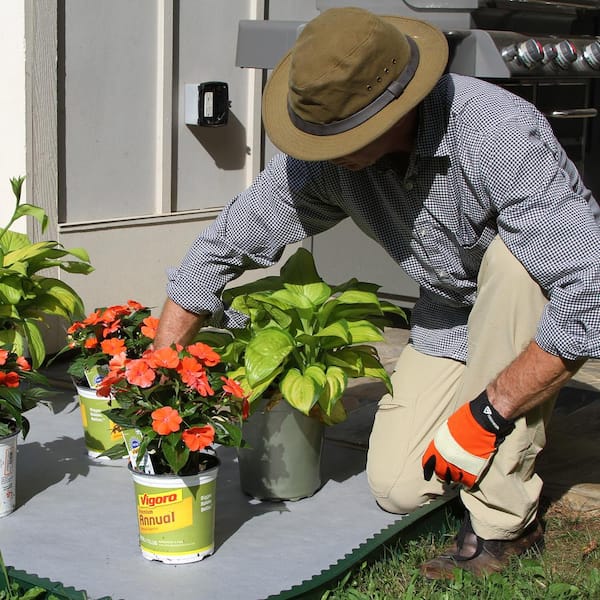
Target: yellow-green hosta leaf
292	299
29	252
11	289
337	414
336	383
265	353
302	391
35	343
67	301
317	293
364	331
339	331
36	212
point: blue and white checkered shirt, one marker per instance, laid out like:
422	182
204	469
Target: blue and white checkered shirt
485	162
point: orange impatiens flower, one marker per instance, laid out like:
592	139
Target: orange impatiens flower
104	388
233	387
198	438
10	379
3	356
163	357
138	372
165	420
204	353
149	327
23	363
91	342
134	305
113	346
193	374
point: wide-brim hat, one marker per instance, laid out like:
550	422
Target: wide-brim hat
349	78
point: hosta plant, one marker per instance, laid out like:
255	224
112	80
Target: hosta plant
27	295
304	337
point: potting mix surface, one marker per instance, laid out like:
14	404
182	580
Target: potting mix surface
75	517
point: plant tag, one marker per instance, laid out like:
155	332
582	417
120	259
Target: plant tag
133	439
95	375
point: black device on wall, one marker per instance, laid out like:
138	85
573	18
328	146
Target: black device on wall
213	103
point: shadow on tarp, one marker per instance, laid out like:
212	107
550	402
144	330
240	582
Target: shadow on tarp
570	463
39	466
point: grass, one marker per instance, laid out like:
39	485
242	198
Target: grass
569	567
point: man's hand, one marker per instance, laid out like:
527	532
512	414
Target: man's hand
466	442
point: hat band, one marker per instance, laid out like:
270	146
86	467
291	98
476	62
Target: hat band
391	92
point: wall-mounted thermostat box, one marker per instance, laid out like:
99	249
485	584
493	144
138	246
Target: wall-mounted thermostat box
206	104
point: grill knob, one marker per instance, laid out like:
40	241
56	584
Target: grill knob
530	53
566	53
549	53
591	53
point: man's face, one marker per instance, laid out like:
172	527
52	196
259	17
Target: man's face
400	138
363	158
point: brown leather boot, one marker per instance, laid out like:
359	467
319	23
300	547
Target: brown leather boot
479	556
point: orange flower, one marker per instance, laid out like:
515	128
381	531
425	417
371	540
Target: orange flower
193	374
134	305
233	387
164	357
10	379
137	372
205	353
150	324
197	438
165	420
75	327
118	361
3	356
113	346
23	363
91	342
111	328
92	318
104	387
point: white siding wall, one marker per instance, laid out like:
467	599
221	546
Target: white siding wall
12	103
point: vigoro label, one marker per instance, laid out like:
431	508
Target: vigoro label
164	511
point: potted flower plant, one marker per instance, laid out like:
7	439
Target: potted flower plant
27	295
21	389
91	343
174	403
302	342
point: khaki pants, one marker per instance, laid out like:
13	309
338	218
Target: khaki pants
427	390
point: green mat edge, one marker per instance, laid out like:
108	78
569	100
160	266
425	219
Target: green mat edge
427	518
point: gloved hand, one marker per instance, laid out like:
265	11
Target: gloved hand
466	442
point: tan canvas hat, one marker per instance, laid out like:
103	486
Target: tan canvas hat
350	77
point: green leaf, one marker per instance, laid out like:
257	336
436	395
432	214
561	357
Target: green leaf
364	331
11	289
316	293
338	331
175	453
16	184
265	353
35	342
300	268
39	214
302	390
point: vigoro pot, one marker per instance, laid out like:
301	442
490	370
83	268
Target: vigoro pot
176	514
99	431
8	464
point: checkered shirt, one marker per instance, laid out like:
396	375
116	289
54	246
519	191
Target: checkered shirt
485	162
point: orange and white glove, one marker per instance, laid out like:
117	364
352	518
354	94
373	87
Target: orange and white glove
465	443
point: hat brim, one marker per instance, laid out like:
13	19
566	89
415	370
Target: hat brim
433	49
